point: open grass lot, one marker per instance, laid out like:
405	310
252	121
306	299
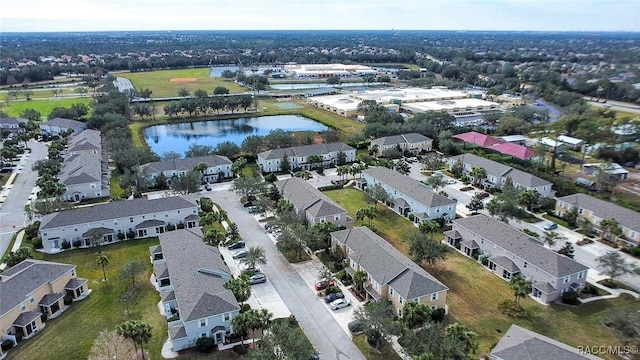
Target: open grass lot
158	81
14	108
475	293
387	352
390	225
71	335
49	93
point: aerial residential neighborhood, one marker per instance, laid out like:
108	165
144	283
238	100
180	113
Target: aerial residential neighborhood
321	194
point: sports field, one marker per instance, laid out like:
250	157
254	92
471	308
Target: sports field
14	108
165	83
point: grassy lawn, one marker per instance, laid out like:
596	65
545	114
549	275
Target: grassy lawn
474	293
116	190
14	108
557	220
159	81
391	226
71	335
13	240
387	352
48	93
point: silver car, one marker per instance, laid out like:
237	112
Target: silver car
257	278
339	304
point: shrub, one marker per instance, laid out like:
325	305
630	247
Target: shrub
464	179
66	245
240	349
590	289
77	243
633	251
331	290
43	317
372	228
6	345
180	226
341	275
330	187
531	233
437	315
131	234
245	307
171	227
412	217
31	230
570	297
68	299
484	260
207	344
173	318
121	236
271	178
37	242
293	322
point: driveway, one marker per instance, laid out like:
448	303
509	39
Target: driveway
12	216
328	338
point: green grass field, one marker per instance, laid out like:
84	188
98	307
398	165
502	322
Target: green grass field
48	93
14	108
386	353
474	293
71	335
159	81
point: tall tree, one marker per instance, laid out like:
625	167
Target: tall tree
285	165
185	183
464	335
137	331
614	265
240	287
478	174
131	270
567	250
521	287
609	228
436	181
552	237
109	345
475	204
255	256
528	198
103	261
423	248
377	193
378	317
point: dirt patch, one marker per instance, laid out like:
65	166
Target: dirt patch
183	79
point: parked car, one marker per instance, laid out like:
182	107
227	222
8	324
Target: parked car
237	245
333	296
551	226
483	195
240	254
336	182
451	182
340	303
207	187
252	209
321	285
357	327
466	188
244	267
257	278
248	204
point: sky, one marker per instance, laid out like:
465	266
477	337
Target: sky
518	15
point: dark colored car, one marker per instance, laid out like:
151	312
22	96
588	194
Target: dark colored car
357	327
247	204
333	296
483	195
321	285
237	245
336	182
241	254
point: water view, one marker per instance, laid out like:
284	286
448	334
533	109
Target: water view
178	137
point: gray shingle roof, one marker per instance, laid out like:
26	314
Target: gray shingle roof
19	281
605	210
408	186
520	244
99	232
307	198
26	318
50	299
81	168
114	210
386	264
305	150
85	140
160	270
498	170
75	283
177	332
65	123
505	263
410	138
521	344
12	121
167	295
197	275
150	223
186	164
156	249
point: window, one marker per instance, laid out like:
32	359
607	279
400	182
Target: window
580	211
566	280
323	219
401	300
203	335
203	323
525	264
130	219
32	299
580	274
391	292
227	317
336	217
434	307
434	296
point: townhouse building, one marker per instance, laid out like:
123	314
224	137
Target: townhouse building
13	125
519	343
409	196
497	174
316	206
218	168
307	157
595	210
390	275
506	252
190	277
85	172
115	221
56	126
32	292
411	142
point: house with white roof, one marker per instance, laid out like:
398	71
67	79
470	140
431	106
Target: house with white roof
571	142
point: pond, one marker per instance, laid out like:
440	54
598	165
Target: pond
178	137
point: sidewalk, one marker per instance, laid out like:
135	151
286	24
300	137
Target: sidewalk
16	246
614	293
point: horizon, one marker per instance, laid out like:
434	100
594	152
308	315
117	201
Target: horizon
302	15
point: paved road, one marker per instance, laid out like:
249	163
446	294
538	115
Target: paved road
328	338
12	215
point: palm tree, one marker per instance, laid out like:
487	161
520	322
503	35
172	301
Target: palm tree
214	237
240	326
255	256
361	214
371	213
264	319
138	331
359	277
201	167
478	174
609	227
552	237
240	287
428	227
414	314
103	261
521	287
460	332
